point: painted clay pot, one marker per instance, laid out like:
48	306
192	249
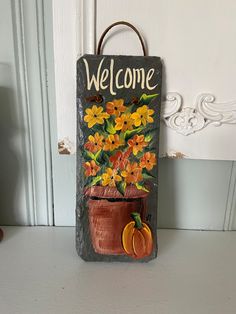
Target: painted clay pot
109	212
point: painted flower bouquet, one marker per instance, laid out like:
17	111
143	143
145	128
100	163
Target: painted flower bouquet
119	150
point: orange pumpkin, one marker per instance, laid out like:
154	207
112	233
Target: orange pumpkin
137	238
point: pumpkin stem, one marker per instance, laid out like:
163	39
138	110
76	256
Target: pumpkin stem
138	222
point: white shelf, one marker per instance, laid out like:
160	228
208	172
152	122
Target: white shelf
41	273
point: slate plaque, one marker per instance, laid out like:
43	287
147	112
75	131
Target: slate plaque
118	118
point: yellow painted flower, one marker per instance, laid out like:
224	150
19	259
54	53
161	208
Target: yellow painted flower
110	177
148	161
142	116
95	143
95	115
115	107
124	122
113	142
137	143
132	173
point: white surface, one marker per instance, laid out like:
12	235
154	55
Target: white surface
193	194
41	273
194	39
24	165
25	159
31	67
65	27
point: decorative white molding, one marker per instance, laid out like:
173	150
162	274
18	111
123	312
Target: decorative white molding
41	9
188	120
31	70
22	86
86	24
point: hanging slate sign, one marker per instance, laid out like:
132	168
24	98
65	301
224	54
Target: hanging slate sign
118	114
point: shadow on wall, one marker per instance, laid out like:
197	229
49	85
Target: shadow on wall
167	200
9	162
167	197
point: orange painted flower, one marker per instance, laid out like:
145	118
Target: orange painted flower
115	107
110	177
119	160
95	115
148	161
113	142
91	168
143	116
137	143
132	173
95	143
124	122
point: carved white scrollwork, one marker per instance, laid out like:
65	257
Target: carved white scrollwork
188	120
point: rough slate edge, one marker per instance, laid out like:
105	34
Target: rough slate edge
83	241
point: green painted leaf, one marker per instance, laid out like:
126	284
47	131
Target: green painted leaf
95	180
98	128
109	127
121	186
97	155
140	186
122	136
148	138
146	99
139	155
147	175
129	108
129	133
149	134
88	155
104	157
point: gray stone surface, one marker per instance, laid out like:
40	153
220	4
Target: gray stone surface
83	236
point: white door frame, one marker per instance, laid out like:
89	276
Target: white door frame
31	58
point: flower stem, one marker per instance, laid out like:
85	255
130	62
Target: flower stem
138	222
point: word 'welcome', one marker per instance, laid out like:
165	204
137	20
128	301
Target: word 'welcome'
123	78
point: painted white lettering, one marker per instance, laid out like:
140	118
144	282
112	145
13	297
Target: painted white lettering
93	79
117	79
111	77
128	78
137	74
104	76
123	78
149	77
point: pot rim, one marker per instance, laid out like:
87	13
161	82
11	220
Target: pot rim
108	192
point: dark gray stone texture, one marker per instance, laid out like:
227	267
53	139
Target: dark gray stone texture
83	237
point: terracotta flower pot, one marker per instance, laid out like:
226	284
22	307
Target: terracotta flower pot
109	212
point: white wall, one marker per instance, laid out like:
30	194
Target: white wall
192	194
195	41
